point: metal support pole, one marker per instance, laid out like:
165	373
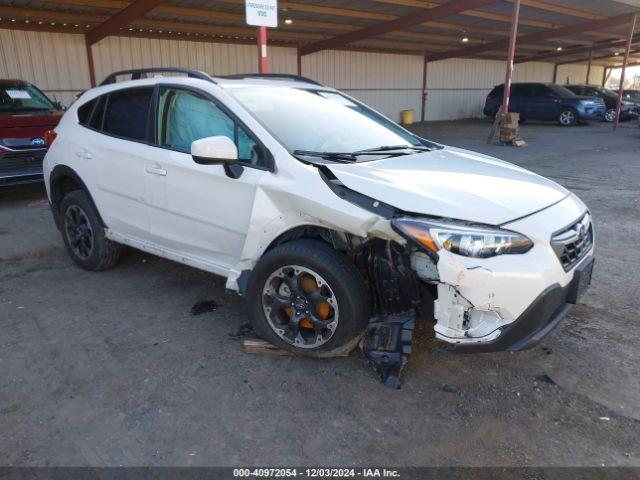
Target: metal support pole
262	49
555	73
299	62
604	76
92	71
624	68
589	66
515	15
424	89
512	52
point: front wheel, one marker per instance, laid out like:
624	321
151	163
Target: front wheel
568	117
307	298
610	115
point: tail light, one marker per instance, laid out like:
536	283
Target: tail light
49	137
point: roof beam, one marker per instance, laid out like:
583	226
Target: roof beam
538	36
335	12
450	8
573	51
498	17
599	57
135	10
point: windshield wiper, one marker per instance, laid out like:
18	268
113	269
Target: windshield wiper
337	156
348	157
388	148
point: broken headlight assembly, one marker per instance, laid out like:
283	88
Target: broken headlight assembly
462	239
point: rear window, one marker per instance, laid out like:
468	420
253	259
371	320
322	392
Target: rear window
127	113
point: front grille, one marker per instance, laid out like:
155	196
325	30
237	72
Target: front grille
21	163
573	242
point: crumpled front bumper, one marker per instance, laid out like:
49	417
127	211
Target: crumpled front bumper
540	318
510	302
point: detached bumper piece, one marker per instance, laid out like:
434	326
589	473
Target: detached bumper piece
542	316
387	346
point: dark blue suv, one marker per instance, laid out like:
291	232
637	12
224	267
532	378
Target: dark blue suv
546	101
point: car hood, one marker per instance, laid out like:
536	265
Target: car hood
47	118
452	183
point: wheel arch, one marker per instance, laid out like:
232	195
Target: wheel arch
63	180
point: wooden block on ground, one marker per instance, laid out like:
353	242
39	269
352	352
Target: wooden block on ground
256	345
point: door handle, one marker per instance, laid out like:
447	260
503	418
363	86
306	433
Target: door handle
155	170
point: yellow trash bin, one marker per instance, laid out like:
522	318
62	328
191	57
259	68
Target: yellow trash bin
407	117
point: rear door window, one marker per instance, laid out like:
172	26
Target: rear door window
127	113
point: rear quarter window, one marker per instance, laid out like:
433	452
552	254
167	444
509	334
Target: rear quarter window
84	112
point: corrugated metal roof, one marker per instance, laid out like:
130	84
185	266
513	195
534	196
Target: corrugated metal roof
314	20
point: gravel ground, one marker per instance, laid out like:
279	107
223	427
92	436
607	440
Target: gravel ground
113	368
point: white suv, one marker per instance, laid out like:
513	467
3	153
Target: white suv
320	211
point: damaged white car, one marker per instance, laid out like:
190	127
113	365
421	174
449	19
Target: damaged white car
320	211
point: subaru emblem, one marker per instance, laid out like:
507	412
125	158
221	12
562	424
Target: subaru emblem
37	142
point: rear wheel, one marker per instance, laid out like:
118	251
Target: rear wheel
308	298
568	117
83	233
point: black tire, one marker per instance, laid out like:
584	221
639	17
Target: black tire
342	277
99	253
568	117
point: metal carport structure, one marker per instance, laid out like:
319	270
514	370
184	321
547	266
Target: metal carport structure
562	32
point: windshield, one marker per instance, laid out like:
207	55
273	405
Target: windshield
317	120
561	91
607	92
21	97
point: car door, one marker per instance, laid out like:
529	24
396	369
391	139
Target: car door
198	211
117	145
542	102
517	100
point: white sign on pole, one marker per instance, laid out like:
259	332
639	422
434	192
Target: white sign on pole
262	13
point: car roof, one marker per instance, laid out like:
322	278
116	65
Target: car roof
12	81
221	82
236	82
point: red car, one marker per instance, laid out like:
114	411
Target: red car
25	115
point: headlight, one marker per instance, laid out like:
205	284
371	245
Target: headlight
587	102
469	241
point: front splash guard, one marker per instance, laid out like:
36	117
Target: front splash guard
387	346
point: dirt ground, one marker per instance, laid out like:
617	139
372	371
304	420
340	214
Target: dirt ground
113	368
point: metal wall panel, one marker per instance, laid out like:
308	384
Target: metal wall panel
568	74
456	88
388	83
118	53
54	62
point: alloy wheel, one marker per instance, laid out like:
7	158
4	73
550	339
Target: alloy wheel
300	306
567	117
78	231
610	115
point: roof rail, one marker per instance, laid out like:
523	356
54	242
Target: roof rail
136	73
275	76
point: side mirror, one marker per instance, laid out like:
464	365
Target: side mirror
218	150
214	151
